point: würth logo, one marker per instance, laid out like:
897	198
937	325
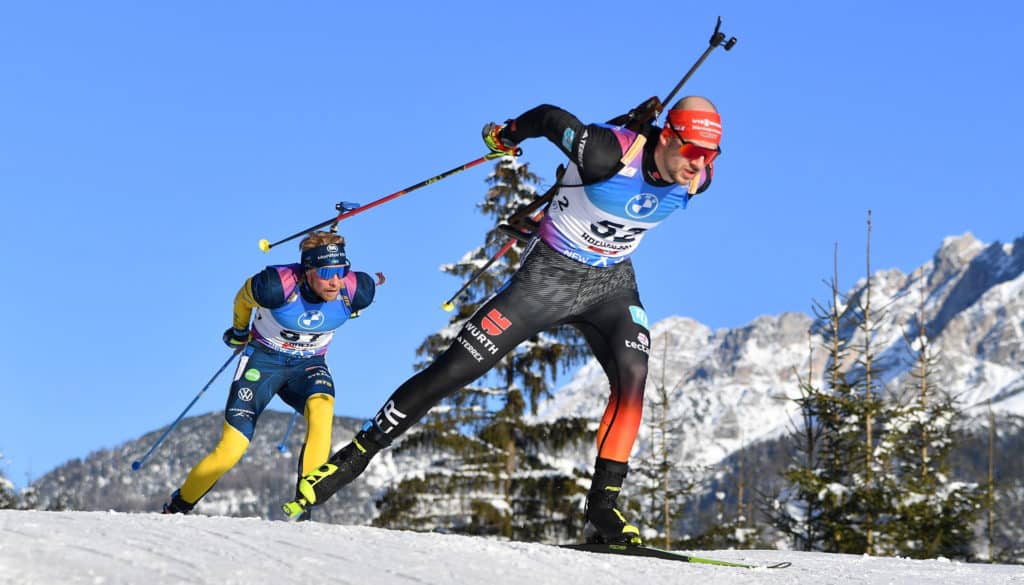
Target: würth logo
494	323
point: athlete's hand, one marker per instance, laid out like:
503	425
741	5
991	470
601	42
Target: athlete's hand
499	146
236	338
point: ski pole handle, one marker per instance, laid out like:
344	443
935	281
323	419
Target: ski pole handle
717	40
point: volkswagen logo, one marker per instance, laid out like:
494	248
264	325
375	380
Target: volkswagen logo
245	394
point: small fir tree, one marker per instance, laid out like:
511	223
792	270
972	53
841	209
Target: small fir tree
666	483
8	495
933	515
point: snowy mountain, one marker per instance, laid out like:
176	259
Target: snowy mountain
732	387
263	479
44	548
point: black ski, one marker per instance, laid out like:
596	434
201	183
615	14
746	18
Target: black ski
657	553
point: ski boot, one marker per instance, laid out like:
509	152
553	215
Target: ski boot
340	470
605	523
177	505
307	514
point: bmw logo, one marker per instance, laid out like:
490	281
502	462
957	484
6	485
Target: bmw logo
311	319
641	205
245	394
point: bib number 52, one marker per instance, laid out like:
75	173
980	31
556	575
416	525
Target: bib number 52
609	230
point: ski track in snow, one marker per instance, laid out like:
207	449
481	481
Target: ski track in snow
102	548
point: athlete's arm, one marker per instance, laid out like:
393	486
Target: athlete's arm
594	149
264	289
366	289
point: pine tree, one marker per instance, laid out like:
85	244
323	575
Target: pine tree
799	511
872	483
1004	493
933	515
874	476
665	482
497	476
8	495
990	484
814	509
835	494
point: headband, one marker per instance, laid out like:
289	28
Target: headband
695	125
326	255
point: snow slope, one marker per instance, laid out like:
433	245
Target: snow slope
39	548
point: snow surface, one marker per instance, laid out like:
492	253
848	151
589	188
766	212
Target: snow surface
152	549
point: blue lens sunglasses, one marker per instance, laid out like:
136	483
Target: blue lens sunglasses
329	272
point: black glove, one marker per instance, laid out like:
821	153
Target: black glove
236	338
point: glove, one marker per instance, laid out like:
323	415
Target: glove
499	146
236	338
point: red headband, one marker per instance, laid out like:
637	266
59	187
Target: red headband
695	125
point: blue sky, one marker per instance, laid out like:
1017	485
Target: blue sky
146	148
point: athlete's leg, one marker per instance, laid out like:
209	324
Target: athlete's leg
310	390
617	333
319	415
492	332
251	391
515	313
208	471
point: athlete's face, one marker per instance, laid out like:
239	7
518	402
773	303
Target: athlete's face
327	289
680	161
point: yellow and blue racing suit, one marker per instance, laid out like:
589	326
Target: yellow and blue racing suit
291	332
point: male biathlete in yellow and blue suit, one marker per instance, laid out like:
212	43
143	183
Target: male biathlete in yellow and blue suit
298	307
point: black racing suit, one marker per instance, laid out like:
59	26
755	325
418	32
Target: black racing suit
550	289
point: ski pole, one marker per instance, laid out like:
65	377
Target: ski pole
651	108
516	236
282	447
717	40
137	464
450	303
266	245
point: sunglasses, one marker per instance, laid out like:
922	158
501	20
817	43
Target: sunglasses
691	151
329	272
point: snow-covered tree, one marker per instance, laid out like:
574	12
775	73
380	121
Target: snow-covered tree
814	508
871	473
838	485
933	515
666	482
8	495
